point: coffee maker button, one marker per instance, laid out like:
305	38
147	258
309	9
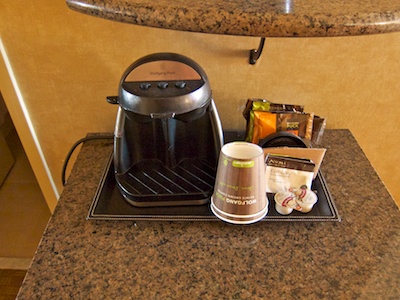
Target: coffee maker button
145	86
180	84
162	85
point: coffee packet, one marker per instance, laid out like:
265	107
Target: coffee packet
266	123
319	124
265	117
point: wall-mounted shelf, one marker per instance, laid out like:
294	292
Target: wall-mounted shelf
260	18
257	18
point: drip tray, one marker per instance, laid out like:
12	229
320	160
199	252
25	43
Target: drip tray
150	183
109	204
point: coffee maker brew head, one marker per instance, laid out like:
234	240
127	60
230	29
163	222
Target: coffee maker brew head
164	85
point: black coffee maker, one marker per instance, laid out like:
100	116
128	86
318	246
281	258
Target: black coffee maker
168	134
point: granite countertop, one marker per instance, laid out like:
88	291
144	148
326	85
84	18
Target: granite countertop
274	18
357	258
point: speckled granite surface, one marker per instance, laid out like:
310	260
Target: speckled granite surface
358	258
273	18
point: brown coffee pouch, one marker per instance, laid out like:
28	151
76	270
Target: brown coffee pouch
266	123
262	125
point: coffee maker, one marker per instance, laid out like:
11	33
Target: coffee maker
168	134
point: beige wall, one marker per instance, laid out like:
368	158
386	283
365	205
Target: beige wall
66	63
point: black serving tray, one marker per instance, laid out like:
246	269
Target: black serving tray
109	204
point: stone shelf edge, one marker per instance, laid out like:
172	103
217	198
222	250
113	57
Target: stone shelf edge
257	18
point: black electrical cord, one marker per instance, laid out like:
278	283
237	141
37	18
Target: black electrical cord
71	151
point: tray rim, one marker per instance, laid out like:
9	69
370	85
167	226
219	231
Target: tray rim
91	215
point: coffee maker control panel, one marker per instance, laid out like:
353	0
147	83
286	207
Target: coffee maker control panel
162	78
164	83
162	88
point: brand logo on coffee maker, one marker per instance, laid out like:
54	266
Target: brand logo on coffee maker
242	164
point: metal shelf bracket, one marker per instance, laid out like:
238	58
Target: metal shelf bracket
256	53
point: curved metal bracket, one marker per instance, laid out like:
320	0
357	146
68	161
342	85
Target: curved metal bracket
255	53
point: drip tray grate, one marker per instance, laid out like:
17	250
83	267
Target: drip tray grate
151	183
152	177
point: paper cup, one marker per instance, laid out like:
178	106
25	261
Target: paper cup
239	194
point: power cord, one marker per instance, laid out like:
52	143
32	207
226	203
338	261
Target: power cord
71	151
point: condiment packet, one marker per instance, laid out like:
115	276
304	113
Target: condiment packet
316	155
256	104
262	105
319	125
284	173
266	123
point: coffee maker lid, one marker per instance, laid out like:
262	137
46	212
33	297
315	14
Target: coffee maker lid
164	85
